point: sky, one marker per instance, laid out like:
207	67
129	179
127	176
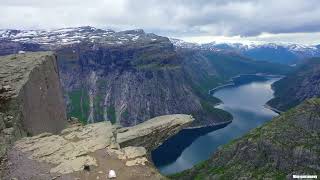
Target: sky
291	21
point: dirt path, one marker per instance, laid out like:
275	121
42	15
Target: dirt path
19	166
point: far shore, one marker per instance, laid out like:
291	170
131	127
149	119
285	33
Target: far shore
230	82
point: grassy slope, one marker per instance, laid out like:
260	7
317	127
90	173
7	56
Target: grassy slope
79	105
287	144
288	89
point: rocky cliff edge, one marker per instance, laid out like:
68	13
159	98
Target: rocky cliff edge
89	152
31	100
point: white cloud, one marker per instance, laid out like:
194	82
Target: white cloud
187	18
296	38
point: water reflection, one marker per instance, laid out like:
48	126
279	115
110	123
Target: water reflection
245	101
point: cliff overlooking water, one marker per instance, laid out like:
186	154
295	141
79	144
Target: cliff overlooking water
128	77
35	143
89	152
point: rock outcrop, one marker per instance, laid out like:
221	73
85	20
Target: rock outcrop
31	100
153	132
76	147
287	145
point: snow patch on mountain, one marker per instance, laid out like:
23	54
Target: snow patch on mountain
68	36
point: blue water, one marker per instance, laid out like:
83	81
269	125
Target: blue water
244	100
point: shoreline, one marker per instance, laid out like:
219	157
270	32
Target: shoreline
273	109
210	125
231	82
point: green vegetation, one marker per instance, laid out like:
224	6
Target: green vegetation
79	105
99	99
257	154
228	65
101	85
201	87
111	111
293	89
125	114
155	58
204	85
98	107
218	113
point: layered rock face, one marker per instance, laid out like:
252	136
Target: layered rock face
303	83
288	145
126	83
78	147
131	76
31	100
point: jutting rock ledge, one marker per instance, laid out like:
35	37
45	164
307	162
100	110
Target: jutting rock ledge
77	146
31	104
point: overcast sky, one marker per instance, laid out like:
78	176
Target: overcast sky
193	20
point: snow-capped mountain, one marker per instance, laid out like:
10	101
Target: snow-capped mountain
281	53
13	41
67	36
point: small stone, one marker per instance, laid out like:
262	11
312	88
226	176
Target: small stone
6	87
74	119
138	161
133	152
114	146
112	174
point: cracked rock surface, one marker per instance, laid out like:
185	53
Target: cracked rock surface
78	146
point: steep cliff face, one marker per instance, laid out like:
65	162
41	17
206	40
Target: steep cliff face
287	145
131	76
299	85
31	100
131	82
127	83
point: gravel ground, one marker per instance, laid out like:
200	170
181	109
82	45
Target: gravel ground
19	166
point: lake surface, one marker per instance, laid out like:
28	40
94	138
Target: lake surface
245	100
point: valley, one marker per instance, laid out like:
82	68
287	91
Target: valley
98	94
245	100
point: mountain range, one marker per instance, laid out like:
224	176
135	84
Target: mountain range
128	77
280	53
283	53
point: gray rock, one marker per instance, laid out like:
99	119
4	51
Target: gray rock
153	132
31	100
73	148
2	124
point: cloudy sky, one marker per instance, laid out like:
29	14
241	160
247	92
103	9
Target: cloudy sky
296	21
